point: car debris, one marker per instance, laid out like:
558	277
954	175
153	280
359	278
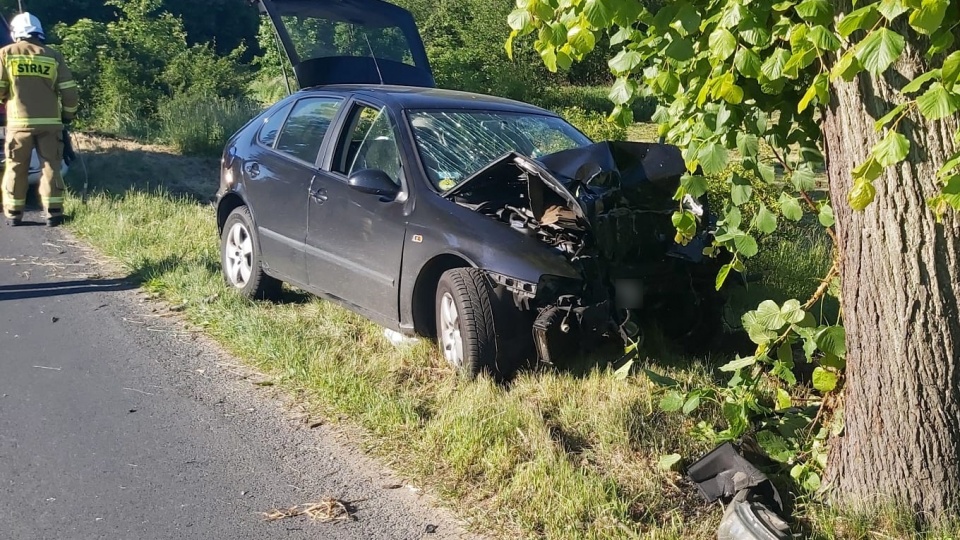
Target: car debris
607	207
754	506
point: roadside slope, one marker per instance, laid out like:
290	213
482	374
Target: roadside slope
117	423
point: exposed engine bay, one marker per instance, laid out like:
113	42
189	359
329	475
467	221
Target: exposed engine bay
607	208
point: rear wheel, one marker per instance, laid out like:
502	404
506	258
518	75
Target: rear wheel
240	258
465	322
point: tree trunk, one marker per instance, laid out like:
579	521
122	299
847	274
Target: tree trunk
900	289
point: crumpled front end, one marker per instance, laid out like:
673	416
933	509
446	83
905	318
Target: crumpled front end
607	207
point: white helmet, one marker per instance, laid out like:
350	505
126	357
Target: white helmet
24	26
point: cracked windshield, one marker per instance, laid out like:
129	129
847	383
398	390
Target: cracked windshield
455	145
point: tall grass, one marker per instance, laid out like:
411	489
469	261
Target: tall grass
200	125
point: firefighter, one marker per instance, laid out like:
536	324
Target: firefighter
41	96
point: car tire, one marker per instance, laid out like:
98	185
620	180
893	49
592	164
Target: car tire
240	258
465	322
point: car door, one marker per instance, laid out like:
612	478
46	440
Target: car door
278	174
355	239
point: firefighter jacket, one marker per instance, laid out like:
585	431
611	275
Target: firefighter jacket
37	85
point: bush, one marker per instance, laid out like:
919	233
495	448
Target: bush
589	98
200	125
594	124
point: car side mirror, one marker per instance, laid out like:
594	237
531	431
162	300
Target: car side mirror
375	182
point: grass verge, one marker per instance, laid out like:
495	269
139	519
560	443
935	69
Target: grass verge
555	455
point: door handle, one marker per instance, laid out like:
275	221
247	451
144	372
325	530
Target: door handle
320	196
253	169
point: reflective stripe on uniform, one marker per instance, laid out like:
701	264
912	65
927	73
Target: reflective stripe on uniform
14	204
70	109
68	84
30	122
52	200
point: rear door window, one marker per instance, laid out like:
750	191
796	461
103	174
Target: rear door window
302	134
271	126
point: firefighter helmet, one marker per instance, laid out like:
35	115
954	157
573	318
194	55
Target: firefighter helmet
24	26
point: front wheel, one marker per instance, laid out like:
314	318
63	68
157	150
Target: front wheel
465	322
240	258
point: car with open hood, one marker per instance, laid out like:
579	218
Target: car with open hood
493	226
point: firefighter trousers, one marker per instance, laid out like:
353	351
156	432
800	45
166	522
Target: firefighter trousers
20	145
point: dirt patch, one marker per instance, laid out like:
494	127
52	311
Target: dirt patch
118	165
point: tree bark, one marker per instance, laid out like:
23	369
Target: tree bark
900	283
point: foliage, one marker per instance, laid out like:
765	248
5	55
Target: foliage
126	67
735	77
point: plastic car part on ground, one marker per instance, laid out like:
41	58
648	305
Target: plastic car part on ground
754	507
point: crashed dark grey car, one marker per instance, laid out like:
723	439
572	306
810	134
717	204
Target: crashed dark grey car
492	225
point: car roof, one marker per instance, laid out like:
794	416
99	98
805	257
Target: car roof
412	97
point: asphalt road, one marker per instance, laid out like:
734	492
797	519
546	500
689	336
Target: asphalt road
115	423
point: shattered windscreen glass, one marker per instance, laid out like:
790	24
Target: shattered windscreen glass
453	145
317	38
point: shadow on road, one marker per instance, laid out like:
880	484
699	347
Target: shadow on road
63	288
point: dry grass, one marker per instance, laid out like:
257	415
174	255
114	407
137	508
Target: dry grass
326	510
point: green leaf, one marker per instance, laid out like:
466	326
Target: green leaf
765	220
868	170
625	61
691	404
746	245
713	158
741	190
847	67
687	19
669	83
748	63
832	340
597	13
823	380
859	19
950	165
783	400
824	39
758	332
862	194
816	11
623	371
767	172
668	462
769	315
804	179
661	380
890	116
739	363
941	41
790	207
892	149
880	49
695	185
775	446
519	19
798	61
929	17
950	73
722	43
937	103
891	9
784	372
622	91
549	57
680	49
581	39
685	223
748	145
826	216
775	64
672	401
916	84
736	416
792	311
812	482
722	276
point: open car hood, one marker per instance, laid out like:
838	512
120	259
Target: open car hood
350	42
643	174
